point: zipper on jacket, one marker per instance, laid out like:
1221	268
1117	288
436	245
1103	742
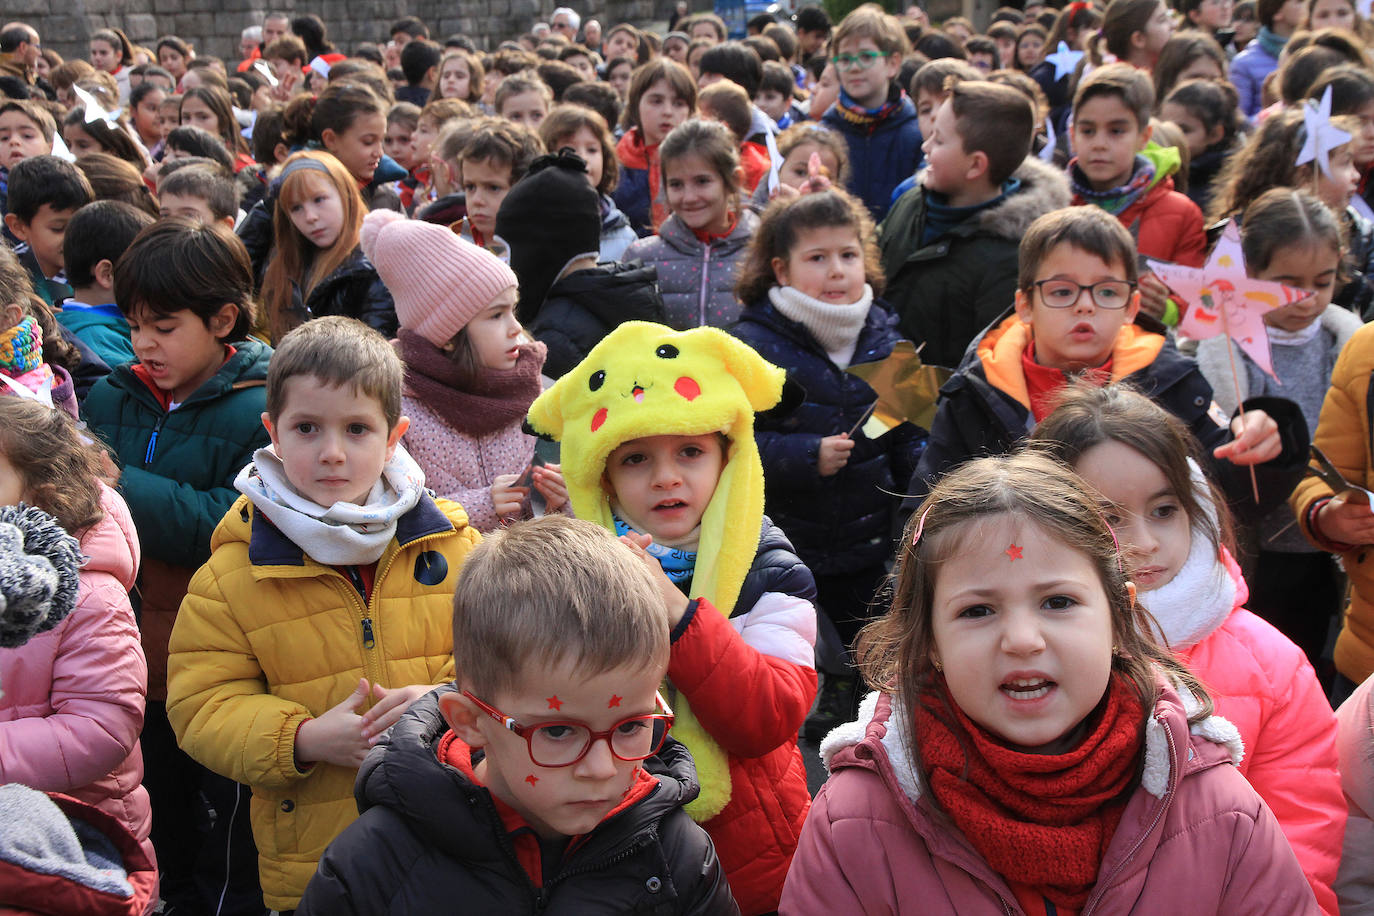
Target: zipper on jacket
705	284
152	440
369	638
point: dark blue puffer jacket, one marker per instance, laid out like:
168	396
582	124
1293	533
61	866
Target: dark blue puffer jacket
881	159
840	523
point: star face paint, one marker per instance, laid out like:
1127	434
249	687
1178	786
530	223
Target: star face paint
614	701
1014	552
532	779
554	702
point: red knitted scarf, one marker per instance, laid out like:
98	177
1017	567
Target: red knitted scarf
1043	821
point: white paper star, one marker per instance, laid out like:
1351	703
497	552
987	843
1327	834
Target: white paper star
94	110
1064	60
61	150
1322	136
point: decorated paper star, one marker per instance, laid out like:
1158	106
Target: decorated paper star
554	702
532	779
1322	136
1222	299
615	698
907	389
61	150
1014	552
94	110
1065	60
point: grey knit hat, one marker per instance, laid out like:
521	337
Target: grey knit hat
40	565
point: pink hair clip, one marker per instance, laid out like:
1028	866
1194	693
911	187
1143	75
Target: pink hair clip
920	527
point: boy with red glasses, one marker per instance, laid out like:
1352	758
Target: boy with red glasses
546	776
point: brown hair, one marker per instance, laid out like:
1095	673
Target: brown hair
815	132
565	120
1121	20
288	48
895	653
518	85
115	139
1179	52
297	261
780	230
549	592
1022	83
1086	416
504	143
1266	161
179	264
476	72
936	76
729	104
1089	229
660	68
1286	218
36	113
441	111
338	351
1021	33
1212	102
219	103
871	21
1125	82
114	179
66	75
1079	17
60	469
997	121
713	142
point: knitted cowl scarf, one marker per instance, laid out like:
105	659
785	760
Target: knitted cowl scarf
493	400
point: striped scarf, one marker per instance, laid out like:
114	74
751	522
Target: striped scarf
868	119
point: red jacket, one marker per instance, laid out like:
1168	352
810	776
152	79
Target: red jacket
1194	838
1166	224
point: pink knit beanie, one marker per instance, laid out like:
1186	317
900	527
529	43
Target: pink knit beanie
439	281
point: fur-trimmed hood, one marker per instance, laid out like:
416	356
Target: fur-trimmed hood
1043	188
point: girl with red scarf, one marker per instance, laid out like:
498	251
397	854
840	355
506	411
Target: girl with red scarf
1031	748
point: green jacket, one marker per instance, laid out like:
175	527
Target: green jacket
103	329
179	467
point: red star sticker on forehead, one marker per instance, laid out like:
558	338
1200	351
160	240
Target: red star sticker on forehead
615	701
555	703
532	779
1014	552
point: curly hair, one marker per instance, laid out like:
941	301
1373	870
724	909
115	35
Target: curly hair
780	231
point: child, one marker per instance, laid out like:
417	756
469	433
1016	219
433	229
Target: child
873	113
949	245
349	121
587	133
101	136
809	283
1074	314
1032	749
697	248
1174	525
1291	237
210	108
727	103
662	95
73	696
182	421
469	378
795	145
929	88
1278	19
569	299
327	592
112	53
1205	110
420	186
1134	32
1115	170
96	238
44	193
551	617
495	157
460	76
658	445
776	89
145	103
318	268
523	100
199	192
26	130
1188	55
401	121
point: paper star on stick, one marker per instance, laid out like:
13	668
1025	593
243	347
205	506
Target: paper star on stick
1322	136
94	110
907	389
1064	59
1222	299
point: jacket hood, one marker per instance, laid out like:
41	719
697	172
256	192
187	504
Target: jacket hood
111	544
631	151
614	292
675	233
1166	160
1043	188
404	774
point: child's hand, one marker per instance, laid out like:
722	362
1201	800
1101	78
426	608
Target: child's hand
785	191
390	706
1154	296
548	480
506	497
1257	439
337	736
834	454
1345	522
673	597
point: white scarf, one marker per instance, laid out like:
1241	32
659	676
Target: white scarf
1295	338
344	534
836	327
1202	594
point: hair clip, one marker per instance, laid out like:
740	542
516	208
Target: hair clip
920	527
1120	567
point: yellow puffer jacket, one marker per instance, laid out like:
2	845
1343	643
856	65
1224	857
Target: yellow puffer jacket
1343	435
267	638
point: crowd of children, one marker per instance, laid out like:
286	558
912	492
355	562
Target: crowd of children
494	472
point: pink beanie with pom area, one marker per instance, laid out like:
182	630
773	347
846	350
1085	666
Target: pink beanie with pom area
439	281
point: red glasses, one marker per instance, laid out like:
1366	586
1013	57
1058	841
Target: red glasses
564	742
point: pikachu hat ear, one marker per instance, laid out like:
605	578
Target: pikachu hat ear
760	380
545	416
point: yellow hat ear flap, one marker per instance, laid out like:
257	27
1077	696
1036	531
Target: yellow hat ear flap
761	380
546	413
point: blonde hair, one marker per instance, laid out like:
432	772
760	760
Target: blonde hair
871	21
59	468
550	591
296	259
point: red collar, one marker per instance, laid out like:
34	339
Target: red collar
1043	383
706	238
164	397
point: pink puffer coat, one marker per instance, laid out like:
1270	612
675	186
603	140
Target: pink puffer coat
1194	838
73	704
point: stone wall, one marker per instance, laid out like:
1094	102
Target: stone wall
213	26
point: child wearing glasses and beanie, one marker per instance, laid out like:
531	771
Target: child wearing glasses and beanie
545	777
1074	322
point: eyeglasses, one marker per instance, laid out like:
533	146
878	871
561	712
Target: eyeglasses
1106	294
861	61
563	743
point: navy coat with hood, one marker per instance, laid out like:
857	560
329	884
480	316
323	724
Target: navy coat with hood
882	158
586	305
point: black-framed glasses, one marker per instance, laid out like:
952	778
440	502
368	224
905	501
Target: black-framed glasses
861	61
1106	294
563	742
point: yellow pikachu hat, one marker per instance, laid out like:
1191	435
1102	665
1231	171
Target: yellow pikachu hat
643	380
